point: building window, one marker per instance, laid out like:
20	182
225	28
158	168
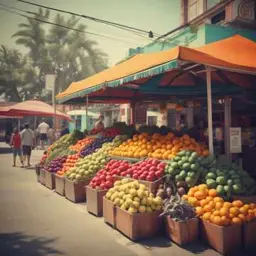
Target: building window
211	3
195	8
152	120
219	18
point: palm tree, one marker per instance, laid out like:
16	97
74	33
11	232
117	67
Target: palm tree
67	53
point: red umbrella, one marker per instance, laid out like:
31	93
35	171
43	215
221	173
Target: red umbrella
32	108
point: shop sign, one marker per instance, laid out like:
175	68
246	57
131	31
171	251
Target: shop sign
235	140
50	82
141	114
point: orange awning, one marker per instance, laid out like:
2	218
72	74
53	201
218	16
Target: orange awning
223	54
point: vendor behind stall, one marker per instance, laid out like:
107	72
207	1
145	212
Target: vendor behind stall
99	125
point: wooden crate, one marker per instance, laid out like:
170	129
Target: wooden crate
60	185
182	232
75	192
49	180
249	234
94	200
245	199
222	239
109	212
139	225
42	176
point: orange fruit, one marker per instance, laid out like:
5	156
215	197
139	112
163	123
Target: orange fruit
225	221
209	198
236	221
227	205
208	208
216	213
218	199
242	217
185	197
216	220
231	215
199	210
234	210
218	205
200	195
203	202
237	203
252	206
202	187
243	210
224	211
206	216
193	201
212	192
247	206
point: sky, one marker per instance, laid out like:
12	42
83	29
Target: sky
160	16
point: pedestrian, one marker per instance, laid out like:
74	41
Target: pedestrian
64	130
27	142
51	136
15	142
43	128
99	125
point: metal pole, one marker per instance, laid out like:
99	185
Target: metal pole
54	108
87	118
18	124
227	117
209	108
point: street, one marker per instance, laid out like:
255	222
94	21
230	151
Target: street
36	221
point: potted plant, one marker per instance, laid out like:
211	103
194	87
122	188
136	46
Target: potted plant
180	218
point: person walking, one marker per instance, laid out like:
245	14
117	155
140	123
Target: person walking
27	142
15	142
43	128
51	136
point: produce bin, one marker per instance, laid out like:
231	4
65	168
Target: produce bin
60	185
245	199
37	170
109	212
94	200
42	176
49	180
139	225
249	234
152	186
182	232
222	239
75	192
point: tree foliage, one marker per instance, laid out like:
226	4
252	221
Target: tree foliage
69	54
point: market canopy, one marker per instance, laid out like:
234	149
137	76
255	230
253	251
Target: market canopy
32	108
162	73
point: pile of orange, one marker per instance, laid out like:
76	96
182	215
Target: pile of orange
81	144
212	208
69	163
158	146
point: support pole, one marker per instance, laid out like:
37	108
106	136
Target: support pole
227	117
18	124
132	106
87	118
209	108
54	108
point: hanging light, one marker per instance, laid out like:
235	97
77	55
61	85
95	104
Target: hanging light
221	101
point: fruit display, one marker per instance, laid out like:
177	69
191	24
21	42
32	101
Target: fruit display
229	180
85	168
210	207
186	167
178	209
110	132
69	163
163	147
104	179
81	144
149	170
56	164
133	197
43	159
97	143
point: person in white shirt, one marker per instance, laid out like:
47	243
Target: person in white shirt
27	142
43	130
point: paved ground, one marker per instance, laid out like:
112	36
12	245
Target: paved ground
35	221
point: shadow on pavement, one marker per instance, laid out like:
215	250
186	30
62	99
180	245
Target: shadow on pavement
15	244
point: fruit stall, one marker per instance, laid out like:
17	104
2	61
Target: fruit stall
161	184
